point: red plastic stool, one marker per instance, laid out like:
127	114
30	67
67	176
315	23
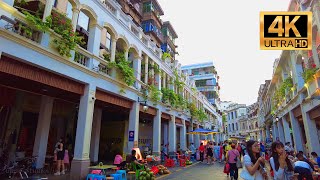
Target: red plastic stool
182	162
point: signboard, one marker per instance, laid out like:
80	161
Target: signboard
131	135
286	30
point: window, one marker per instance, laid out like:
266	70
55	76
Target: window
69	10
237	126
232	127
147	7
83	21
55	3
108	41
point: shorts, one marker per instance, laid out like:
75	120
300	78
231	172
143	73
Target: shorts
210	154
60	155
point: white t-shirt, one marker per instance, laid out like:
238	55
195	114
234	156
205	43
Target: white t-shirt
247	162
281	173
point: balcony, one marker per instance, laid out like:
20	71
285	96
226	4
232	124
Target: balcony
151	29
132	8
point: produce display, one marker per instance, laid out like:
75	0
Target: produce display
146	175
188	162
163	170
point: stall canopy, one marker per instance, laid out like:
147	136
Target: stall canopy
203	131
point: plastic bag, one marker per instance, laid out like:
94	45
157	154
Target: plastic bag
226	168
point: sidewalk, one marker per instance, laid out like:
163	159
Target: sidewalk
176	169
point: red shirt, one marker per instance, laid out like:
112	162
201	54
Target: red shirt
201	148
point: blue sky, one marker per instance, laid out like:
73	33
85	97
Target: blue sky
226	32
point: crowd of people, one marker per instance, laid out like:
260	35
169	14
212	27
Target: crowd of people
279	162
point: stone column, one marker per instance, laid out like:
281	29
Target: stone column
172	134
165	133
47	9
146	68
126	54
191	139
152	70
268	131
95	135
297	70
113	55
137	71
280	129
286	128
183	136
164	78
158	80
157	133
75	15
297	136
134	124
311	131
94	39
197	138
42	133
81	159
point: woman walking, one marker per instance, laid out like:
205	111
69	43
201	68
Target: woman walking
254	165
232	157
210	153
216	151
60	158
280	163
201	149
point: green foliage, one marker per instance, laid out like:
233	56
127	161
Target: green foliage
61	25
280	93
122	91
106	57
177	81
168	95
307	75
224	118
201	115
127	73
181	103
156	69
193	109
165	55
155	94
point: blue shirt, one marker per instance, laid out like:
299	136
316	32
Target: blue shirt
262	148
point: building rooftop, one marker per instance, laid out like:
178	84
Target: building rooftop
198	65
156	5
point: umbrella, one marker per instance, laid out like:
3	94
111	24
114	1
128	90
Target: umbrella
202	131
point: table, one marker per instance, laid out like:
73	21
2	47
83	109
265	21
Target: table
103	167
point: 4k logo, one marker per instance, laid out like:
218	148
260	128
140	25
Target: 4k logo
286	30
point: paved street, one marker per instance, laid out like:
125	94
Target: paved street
199	171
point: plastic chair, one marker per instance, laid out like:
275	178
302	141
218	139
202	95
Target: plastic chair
96	172
96	177
116	176
123	174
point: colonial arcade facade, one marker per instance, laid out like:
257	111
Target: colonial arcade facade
45	95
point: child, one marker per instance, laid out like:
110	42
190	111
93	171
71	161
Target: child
66	159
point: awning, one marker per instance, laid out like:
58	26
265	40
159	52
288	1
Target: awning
203	131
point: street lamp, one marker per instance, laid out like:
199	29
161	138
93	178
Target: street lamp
277	119
145	107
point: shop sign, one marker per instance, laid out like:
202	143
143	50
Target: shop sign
131	135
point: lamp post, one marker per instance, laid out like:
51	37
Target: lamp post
145	107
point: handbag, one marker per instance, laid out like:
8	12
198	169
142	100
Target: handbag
226	168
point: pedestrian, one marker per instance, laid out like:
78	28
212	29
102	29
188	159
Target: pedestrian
193	150
60	158
216	149
316	159
303	168
201	149
210	153
232	158
279	162
254	165
221	152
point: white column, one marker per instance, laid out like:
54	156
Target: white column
197	138
47	9
95	135
126	54
190	135
172	134
183	136
137	71
297	70
146	69
75	15
158	80
311	131
113	56
134	124
165	133
280	129
157	133
286	128
81	159
42	133
94	39
297	136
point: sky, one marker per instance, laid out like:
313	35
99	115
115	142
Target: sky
228	35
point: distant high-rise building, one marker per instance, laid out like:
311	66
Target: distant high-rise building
206	79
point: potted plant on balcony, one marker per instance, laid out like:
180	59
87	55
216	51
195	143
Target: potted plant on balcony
165	56
155	94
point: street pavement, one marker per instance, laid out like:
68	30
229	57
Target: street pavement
201	171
